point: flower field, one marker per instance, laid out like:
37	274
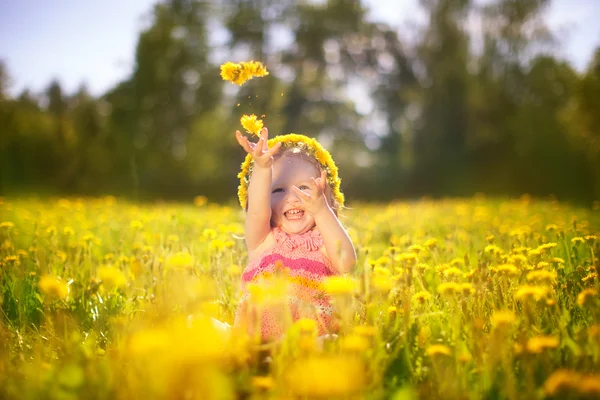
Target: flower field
460	298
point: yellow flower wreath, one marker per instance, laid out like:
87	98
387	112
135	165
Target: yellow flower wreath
313	147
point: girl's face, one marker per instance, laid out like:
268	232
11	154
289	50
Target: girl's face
287	211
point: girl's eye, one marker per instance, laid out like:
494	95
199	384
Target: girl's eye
303	187
278	190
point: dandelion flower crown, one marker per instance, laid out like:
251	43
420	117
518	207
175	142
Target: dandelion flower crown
305	143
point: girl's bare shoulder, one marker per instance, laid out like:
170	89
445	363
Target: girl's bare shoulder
267	243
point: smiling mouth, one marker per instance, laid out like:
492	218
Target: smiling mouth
294	214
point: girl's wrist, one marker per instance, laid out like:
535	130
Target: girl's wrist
258	167
324	213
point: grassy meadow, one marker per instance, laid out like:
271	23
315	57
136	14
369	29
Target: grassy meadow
460	298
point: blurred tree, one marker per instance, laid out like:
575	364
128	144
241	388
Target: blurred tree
4	81
173	84
511	32
442	116
441	128
582	119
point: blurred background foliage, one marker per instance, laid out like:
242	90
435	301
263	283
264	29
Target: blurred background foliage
434	111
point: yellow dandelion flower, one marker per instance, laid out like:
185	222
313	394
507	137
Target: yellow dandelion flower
493	249
591	239
6	225
466	288
453	271
448	288
586	296
503	319
541	276
326	376
422	296
12	260
507	269
421	267
148	341
526	292
136	225
534	253
416	248
407	257
216	245
338	285
542	264
306	325
68	231
551	227
438	350
590	386
180	260
538	344
520	250
590	276
242	72
354	343
111	278
53	287
518	259
251	124
594	331
234	269
209	233
383	261
200	201
577	240
548	246
457	261
431	243
423	336
561	381
365	330
382	283
263	382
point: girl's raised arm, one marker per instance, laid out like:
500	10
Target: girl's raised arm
258	213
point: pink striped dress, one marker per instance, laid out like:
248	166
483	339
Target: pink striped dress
297	261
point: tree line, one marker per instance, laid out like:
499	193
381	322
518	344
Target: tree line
440	112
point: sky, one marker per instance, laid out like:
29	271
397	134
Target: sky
93	41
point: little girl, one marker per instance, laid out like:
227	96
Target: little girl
290	190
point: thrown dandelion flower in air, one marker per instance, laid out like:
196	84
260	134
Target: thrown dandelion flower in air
251	124
242	72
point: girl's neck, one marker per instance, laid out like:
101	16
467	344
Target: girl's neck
296	234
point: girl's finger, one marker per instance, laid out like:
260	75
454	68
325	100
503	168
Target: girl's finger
265	135
273	150
300	193
323	180
243	141
258	149
314	184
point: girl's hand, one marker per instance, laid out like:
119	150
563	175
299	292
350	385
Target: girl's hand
260	152
316	202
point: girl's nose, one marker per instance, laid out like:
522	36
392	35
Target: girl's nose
292	197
